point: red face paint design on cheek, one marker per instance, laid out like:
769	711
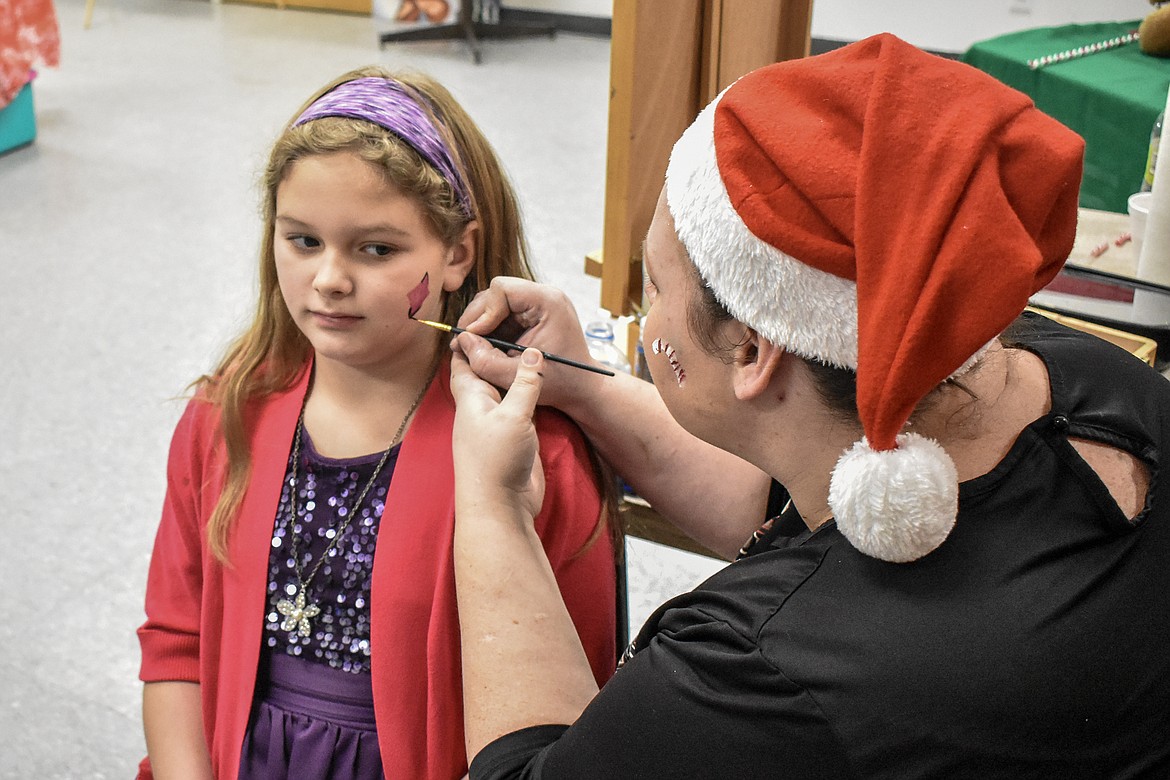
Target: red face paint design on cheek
418	296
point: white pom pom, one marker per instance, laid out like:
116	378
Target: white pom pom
896	505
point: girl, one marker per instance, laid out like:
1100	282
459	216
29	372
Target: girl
300	602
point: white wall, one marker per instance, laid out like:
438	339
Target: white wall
942	25
953	25
602	8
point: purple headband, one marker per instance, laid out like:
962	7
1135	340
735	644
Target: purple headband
388	105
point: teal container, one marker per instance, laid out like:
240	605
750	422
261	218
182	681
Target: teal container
18	124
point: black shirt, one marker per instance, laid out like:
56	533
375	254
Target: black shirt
1034	643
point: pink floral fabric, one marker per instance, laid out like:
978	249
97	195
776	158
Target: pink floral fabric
28	37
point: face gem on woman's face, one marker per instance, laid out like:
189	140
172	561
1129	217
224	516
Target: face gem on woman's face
663	347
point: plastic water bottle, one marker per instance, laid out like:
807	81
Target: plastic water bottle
641	369
599	337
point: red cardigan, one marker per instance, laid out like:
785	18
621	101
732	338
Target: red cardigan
204	621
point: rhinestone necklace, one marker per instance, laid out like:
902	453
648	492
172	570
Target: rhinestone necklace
299	612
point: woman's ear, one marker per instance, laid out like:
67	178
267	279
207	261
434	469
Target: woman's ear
757	364
462	258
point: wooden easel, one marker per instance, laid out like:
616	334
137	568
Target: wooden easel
478	20
669	58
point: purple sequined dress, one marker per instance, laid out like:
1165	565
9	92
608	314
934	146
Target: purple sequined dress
313	710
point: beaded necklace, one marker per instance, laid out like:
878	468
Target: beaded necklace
299	612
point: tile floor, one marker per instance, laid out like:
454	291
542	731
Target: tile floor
127	233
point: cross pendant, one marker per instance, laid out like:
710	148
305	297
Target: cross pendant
297	614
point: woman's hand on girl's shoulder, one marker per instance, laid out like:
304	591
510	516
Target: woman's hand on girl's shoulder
494	441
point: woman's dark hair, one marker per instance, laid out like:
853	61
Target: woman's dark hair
836	386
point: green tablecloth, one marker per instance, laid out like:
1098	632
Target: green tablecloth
1111	98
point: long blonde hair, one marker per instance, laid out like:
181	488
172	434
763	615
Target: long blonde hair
271	354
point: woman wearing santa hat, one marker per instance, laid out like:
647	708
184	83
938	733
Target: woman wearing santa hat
965	571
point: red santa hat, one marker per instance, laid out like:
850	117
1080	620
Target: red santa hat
885	210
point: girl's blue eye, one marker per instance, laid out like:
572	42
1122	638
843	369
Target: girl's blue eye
304	242
379	250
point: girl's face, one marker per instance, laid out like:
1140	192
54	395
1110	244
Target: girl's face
350	249
693	384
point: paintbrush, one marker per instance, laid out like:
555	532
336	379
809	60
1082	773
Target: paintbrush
507	345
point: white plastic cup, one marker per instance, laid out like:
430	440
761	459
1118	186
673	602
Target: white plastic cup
1148	306
1139	209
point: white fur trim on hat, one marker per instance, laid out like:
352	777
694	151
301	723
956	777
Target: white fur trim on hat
896	505
803	309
